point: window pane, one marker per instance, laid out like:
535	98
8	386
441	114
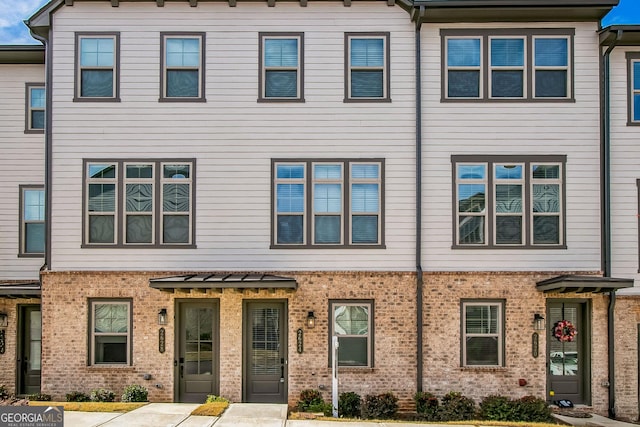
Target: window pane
281	52
97	83
351	320
367	84
364	229
551	83
508	230
139	197
551	52
481	319
463	52
292	171
281	84
290	197
471	198
327	229
319	172
546	198
327	198
289	229
463	84
636	75
508	171
102	171
509	198
352	351
546	230
183	52
482	351
364	198
111	349
102	197
182	83
37	120
636	107
37	98
139	229
546	171
507	52
139	171
101	229
96	52
176	171
367	52
507	84
111	318
471	230
175	229
34	237
175	197
364	171
34	205
471	172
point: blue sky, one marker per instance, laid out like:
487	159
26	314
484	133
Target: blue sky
13	12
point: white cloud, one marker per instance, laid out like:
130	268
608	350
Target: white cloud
12	13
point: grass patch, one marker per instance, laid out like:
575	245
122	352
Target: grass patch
213	409
93	406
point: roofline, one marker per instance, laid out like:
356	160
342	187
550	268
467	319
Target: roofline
620	35
516	3
21	54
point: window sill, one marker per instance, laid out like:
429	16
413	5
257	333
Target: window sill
354	369
511	248
112	366
130	246
507	100
96	99
483	369
306	247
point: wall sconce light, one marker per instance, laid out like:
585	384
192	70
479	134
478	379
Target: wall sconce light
538	322
4	320
162	316
311	320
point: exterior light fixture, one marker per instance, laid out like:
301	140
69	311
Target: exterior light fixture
4	320
538	322
311	320
162	316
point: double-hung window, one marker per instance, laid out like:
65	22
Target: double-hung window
352	322
482	333
31	220
110	331
327	203
633	78
504	64
139	203
182	64
34	118
97	66
509	201
281	67
367	66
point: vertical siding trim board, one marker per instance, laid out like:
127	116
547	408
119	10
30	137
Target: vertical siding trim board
631	57
202	71
76	68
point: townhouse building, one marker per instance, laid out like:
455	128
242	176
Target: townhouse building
228	185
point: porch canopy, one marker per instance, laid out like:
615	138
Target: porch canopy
204	281
20	290
575	283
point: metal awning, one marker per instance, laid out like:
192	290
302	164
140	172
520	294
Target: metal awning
221	281
574	283
20	290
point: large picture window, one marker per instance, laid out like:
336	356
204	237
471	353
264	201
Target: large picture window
182	67
31	220
352	322
328	203
482	333
367	66
281	66
509	201
110	332
139	203
97	66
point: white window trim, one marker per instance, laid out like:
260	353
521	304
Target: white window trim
496	214
540	181
478	68
383	67
378	213
182	181
315	181
522	68
93	334
303	182
484	214
566	68
127	214
167	68
369	335
113	68
499	335
114	214
297	68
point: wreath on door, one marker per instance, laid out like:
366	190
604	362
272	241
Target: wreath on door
564	331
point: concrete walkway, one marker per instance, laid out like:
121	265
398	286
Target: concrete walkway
251	415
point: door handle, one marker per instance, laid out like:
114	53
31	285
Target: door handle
181	370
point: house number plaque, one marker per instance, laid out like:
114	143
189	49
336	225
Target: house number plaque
299	340
161	340
2	342
535	344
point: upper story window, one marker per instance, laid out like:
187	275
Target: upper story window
633	78
31	220
367	67
139	203
328	203
97	67
507	64
509	201
281	67
352	322
483	333
182	59
34	118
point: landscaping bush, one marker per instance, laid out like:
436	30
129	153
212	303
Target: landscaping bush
4	393
349	405
532	409
497	408
135	393
308	398
381	406
427	406
456	407
40	397
77	396
102	395
213	398
325	408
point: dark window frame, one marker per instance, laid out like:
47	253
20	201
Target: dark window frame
386	37
485	67
201	67
91	353
528	213
370	337
28	109
77	85
22	249
631	57
120	200
501	303
346	204
262	36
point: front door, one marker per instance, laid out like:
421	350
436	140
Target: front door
568	359
197	364
29	349
265	352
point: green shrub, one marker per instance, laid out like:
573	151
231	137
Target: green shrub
41	397
308	398
325	408
213	398
102	395
427	405
532	409
4	393
135	393
497	408
349	405
380	407
456	407
77	396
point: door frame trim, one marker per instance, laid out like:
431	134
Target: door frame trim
20	324
285	341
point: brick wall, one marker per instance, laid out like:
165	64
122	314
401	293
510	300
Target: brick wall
627	325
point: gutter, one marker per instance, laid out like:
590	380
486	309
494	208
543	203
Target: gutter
419	274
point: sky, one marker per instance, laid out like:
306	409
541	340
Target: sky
14	12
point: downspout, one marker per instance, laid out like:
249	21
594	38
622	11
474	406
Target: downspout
606	217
